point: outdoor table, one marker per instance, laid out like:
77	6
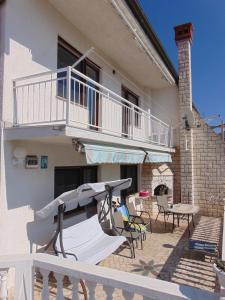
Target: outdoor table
184	210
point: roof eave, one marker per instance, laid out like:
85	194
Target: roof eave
147	28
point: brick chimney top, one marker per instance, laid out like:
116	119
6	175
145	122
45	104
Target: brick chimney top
183	32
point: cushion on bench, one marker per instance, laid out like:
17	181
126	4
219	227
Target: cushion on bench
88	241
202	246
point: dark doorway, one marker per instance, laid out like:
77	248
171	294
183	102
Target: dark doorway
129	171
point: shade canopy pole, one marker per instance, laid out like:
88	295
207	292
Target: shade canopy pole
82	57
59	230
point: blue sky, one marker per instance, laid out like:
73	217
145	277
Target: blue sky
208	48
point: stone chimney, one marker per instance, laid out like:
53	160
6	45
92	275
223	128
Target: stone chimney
183	38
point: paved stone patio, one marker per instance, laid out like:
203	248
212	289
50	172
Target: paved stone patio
165	256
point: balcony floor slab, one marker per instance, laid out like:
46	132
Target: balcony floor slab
60	133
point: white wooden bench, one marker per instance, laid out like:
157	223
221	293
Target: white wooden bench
87	242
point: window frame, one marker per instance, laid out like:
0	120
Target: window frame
83	66
125	94
81	169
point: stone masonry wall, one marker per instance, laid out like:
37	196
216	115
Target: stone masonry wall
185	136
209	169
202	155
175	167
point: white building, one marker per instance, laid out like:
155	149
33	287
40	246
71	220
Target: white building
39	40
87	93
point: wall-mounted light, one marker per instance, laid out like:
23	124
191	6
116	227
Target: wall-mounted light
19	155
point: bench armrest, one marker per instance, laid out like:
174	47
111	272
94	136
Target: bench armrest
68	253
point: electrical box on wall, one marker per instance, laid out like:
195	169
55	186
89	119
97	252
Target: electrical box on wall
31	162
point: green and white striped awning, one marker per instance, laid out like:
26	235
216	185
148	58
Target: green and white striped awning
104	154
158	157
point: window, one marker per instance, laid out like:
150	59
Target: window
129	171
69	178
83	92
134	99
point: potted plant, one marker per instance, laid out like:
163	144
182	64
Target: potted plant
219	268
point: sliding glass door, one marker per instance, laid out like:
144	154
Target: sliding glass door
84	92
127	113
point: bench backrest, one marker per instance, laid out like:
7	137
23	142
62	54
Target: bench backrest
81	233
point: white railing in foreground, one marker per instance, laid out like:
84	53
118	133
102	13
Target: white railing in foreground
129	285
67	96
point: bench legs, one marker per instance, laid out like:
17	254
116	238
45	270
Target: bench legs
83	287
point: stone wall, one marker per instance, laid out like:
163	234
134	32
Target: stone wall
185	136
198	164
175	167
209	169
170	177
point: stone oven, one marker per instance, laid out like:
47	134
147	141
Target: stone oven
160	190
157	179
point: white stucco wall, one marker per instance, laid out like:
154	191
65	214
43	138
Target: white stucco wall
28	190
165	105
31	47
30	38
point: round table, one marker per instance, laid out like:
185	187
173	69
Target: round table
182	209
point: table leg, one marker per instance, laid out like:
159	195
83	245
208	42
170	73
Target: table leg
178	220
193	221
173	223
188	225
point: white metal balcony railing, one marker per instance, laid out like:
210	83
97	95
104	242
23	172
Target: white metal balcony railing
67	96
32	281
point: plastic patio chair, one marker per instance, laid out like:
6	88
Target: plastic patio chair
139	216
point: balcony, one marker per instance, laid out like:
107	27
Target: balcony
68	97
